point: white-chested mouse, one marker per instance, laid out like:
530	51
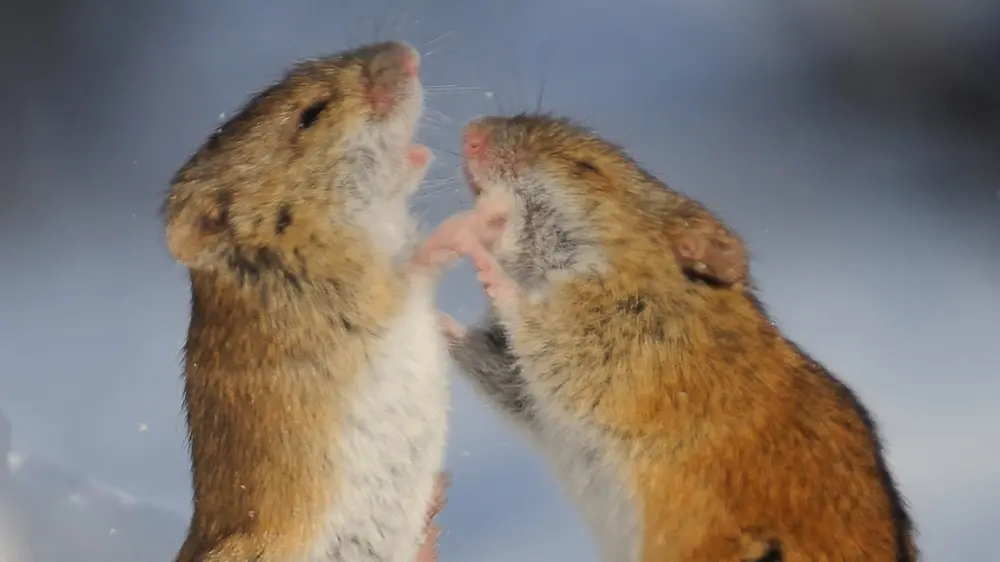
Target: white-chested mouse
626	337
315	380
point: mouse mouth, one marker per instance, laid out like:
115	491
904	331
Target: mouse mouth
471	181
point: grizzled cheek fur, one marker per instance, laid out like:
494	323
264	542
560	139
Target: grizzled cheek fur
372	167
542	242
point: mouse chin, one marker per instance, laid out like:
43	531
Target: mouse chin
401	122
473	183
395	137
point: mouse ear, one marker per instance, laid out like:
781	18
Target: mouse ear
197	233
713	253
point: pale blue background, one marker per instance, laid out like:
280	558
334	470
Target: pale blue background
875	235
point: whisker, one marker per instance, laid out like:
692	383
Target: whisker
438	189
439	115
541	93
437	182
450	87
435	124
404	16
427	196
440	181
445	93
459	90
444	35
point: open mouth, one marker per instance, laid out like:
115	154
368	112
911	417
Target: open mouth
470	180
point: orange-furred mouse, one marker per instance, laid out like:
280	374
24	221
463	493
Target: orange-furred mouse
315	378
626	337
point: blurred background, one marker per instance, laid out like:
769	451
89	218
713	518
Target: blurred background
855	144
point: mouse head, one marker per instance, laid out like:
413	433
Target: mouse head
303	164
571	199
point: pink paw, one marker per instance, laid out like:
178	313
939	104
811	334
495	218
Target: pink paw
472	234
445	243
432	259
450	328
497	285
418	159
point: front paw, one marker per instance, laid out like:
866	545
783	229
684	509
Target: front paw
451	329
428	548
445	244
416	161
501	289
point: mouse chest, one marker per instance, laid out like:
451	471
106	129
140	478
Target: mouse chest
591	481
391	444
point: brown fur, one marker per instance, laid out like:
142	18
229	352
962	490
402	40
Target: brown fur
289	293
736	444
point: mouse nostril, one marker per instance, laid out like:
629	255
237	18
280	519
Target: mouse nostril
474	144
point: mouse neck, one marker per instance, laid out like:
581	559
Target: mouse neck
263	307
303	315
730	335
242	327
236	291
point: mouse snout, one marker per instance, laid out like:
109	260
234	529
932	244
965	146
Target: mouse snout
410	63
474	142
391	71
396	56
477	160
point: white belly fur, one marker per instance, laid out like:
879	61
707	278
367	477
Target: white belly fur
394	437
591	480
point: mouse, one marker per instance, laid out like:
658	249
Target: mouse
626	338
315	385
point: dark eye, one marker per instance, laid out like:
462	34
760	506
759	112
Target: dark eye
585	167
310	114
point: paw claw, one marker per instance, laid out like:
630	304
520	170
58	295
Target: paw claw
419	156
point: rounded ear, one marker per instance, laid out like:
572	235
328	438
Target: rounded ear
197	232
712	252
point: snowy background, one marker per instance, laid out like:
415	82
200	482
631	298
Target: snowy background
856	148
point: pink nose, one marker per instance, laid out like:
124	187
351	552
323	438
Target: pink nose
474	143
411	64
